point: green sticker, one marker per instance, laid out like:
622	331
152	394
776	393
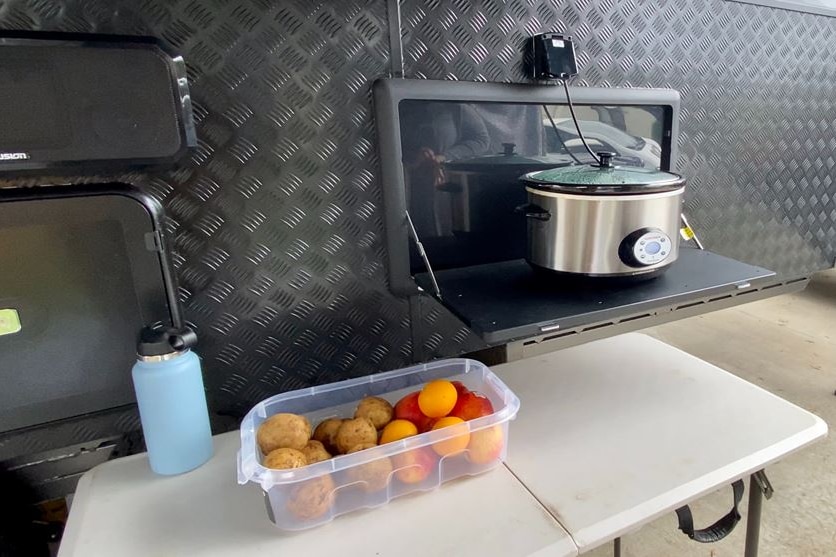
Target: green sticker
9	322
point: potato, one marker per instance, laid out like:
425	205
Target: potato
283	431
379	411
312	498
354	432
362	447
314	452
285	459
375	474
325	432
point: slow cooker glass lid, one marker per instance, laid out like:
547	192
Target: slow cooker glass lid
604	178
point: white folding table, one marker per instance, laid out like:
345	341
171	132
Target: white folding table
614	433
610	435
121	508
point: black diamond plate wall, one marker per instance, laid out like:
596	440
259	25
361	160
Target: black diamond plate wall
759	100
276	219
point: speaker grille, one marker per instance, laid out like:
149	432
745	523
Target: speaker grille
63	103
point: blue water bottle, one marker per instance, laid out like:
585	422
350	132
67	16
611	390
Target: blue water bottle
172	403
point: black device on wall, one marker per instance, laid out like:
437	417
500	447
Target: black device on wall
553	56
82	270
86	103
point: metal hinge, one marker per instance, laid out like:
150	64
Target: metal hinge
154	241
423	255
763	483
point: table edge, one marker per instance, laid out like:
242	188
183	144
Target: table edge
77	512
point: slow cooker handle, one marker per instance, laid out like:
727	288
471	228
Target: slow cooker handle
532	211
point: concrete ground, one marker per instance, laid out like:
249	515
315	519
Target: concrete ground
786	345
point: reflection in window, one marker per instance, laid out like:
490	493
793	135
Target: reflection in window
634	134
462	162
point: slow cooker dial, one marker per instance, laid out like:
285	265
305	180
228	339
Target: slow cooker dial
645	247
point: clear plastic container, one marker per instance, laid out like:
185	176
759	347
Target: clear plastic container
306	497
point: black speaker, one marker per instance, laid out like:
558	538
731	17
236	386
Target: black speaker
78	103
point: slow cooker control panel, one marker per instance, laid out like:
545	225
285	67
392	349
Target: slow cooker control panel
645	247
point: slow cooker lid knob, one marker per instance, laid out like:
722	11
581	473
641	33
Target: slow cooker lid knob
645	247
605	159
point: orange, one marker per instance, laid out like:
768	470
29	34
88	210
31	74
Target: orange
456	444
397	430
437	398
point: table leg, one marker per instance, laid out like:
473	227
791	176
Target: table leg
753	518
616	547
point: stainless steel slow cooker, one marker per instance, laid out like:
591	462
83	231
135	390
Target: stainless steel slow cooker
603	220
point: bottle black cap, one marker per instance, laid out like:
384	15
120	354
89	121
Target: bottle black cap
159	342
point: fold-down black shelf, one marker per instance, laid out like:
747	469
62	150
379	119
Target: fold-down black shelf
506	301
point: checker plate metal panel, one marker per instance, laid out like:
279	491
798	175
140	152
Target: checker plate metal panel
276	217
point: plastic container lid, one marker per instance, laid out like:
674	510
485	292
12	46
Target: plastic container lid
604	179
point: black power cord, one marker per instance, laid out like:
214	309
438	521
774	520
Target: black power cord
575	120
559	137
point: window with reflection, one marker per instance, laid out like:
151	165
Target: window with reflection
462	162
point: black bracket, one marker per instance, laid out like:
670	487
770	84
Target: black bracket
763	483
